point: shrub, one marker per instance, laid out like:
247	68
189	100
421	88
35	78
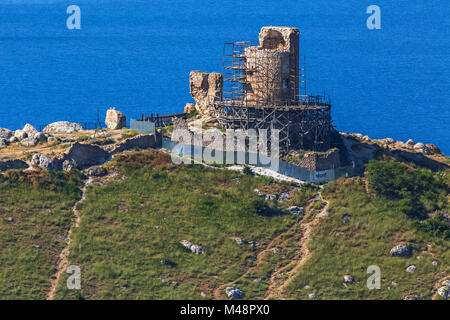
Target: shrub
247	171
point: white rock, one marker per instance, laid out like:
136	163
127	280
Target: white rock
20	134
234	293
6	133
29	130
401	250
63	127
444	292
411	269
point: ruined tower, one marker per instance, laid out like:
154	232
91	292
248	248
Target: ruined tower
273	66
261	90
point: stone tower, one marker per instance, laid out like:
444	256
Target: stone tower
273	67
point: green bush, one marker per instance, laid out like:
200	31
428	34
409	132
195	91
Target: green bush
413	192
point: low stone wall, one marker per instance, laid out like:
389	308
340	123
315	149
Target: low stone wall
140	141
314	161
12	164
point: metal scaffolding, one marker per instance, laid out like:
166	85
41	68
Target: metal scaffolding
260	94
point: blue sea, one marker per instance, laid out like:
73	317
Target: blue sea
136	56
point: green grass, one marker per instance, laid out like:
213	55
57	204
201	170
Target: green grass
374	228
40	204
128	227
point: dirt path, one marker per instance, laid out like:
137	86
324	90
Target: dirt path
279	279
259	257
275	288
63	262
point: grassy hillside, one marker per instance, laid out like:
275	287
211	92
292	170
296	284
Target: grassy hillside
128	242
127	245
39	204
378	221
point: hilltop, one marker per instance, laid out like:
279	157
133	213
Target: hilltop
141	227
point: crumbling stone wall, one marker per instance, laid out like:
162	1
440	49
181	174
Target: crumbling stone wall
315	161
278	47
141	141
205	88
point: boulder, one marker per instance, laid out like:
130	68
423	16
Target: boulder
433	148
444	292
296	211
6	133
348	279
420	147
205	88
97	171
411	269
401	250
3	143
194	248
20	134
410	143
446	283
12	164
346	218
29	142
13	139
115	119
42	161
189	107
271	197
234	293
63	127
284	196
29	130
39	136
412	297
68	165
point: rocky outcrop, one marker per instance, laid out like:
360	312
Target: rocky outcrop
194	248
6	133
81	156
115	119
234	293
401	250
97	171
420	147
12	164
433	148
205	88
29	142
189	107
3	143
20	134
63	127
42	161
30	130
